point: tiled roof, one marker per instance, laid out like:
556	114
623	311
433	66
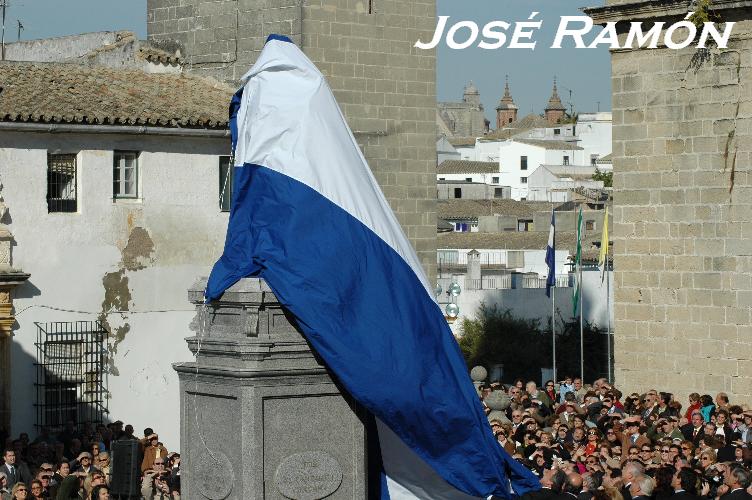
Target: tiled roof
524	124
604	159
468	209
467	167
69	93
461	141
563	145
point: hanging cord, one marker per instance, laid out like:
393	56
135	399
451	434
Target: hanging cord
203	328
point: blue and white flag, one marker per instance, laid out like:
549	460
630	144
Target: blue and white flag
308	216
551	255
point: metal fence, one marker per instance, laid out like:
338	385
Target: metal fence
501	282
71	380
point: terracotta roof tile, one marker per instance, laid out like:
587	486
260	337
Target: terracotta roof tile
70	93
467	167
462	209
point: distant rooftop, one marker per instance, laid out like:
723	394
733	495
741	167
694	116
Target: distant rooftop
556	145
467	167
467	209
71	93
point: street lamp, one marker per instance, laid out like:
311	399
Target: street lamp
452	309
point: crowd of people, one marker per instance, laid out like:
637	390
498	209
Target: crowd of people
76	463
596	443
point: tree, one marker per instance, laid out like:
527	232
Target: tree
523	347
606	177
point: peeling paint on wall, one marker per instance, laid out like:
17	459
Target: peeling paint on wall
137	255
138	252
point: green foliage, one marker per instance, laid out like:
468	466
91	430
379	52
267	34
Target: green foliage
606	177
523	347
703	14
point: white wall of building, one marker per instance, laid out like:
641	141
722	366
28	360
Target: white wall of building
594	132
532	303
510	156
145	253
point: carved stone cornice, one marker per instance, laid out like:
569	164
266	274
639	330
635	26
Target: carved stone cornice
655	10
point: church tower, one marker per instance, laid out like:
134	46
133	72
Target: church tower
506	111
555	109
471	95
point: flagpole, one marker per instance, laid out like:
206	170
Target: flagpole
553	323
608	318
582	296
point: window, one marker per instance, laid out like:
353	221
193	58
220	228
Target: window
566	160
557	131
71	382
458	192
61	183
494	180
524	225
225	183
510	120
125	174
523	162
498	192
523	180
468	179
440	178
590	225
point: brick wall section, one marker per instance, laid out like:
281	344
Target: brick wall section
385	87
682	243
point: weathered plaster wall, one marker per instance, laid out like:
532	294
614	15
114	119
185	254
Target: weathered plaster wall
124	255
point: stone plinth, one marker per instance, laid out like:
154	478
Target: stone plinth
260	416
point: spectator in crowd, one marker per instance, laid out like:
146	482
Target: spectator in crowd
694	405
642	488
694	431
153	451
84	461
707	406
37	490
103	464
15	470
101	492
19	492
4	490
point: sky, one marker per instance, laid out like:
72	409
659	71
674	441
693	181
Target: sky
584	72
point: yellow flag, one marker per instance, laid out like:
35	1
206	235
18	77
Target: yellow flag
603	258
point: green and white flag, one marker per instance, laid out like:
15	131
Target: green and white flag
577	266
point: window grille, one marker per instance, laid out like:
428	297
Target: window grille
61	183
494	180
71	382
125	175
225	183
523	162
458	192
523	180
566	160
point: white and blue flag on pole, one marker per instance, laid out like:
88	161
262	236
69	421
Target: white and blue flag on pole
551	255
309	218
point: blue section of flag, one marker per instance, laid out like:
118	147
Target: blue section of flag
365	313
551	256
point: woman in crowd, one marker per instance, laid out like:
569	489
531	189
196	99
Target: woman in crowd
707	407
100	492
4	491
707	458
37	490
663	477
102	463
550	391
19	492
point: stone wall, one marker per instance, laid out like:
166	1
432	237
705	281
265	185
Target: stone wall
682	140
385	87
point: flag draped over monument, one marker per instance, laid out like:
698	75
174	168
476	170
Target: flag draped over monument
308	216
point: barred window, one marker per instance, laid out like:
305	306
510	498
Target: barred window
61	183
125	174
225	183
71	379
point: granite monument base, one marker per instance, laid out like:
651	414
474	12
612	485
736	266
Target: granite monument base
260	416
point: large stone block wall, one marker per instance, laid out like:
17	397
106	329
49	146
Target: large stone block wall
385	87
682	146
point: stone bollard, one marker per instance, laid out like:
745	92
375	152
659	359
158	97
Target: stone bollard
260	416
478	374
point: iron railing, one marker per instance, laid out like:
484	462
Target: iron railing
71	379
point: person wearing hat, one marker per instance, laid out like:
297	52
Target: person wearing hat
632	436
84	460
153	450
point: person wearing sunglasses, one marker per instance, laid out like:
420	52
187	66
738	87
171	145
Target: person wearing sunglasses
19	492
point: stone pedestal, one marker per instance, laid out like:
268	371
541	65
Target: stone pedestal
260	417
